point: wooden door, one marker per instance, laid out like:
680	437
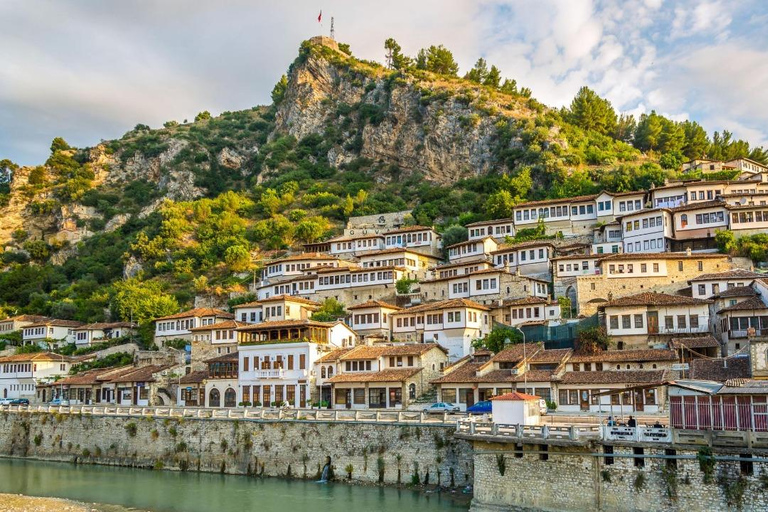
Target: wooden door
639	400
584	400
653	322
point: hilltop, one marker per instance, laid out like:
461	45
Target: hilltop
194	207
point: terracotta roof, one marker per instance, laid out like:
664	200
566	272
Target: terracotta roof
443	304
578	257
106	325
36	356
389	375
522	245
142	374
26	318
400	349
352	270
198	312
611	377
85	378
515	396
550	356
524	301
408	229
352	238
226	324
464	373
660	256
487	222
720	369
55	322
285	323
694	342
744	386
475	241
303	256
615	356
232	357
395	250
288	298
478	260
698	206
737	291
575	199
374	304
197	377
727	275
515	353
752	304
334	355
655	299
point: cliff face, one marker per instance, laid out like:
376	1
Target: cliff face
434	129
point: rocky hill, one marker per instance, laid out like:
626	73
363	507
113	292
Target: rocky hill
189	209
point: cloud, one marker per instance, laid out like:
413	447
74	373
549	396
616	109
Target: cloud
90	70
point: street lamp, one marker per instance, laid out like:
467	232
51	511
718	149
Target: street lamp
525	361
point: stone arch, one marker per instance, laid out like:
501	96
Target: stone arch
214	398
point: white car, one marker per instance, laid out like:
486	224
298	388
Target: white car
442	407
5	401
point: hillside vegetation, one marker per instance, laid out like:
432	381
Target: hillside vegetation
136	227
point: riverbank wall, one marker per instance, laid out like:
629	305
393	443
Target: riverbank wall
366	452
567	477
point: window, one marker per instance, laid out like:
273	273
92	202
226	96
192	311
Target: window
702	289
669	323
655	267
694	321
680	266
614	322
626	322
681	321
638	321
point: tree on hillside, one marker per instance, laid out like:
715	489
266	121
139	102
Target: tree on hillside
493	79
330	311
625	128
478	73
499	339
278	91
592	341
509	86
455	234
500	205
141	301
237	258
202	116
696	140
591	112
437	59
395	57
59	144
648	132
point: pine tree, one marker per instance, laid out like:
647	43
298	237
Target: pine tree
493	79
479	72
591	112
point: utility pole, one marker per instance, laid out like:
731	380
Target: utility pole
333	32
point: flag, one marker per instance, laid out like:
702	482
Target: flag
320	17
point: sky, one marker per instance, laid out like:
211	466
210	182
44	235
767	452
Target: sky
91	70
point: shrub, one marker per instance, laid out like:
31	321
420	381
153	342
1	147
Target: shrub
131	429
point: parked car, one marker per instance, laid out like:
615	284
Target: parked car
482	407
543	407
5	401
442	407
20	401
59	401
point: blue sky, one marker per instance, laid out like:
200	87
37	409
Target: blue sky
92	70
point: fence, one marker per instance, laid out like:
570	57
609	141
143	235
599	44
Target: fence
257	414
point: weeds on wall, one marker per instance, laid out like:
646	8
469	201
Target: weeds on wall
669	476
639	482
501	462
706	464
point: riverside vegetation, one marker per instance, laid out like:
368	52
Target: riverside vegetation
137	227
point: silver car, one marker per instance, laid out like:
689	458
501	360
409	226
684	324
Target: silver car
442	407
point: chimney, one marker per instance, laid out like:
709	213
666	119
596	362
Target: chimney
688	251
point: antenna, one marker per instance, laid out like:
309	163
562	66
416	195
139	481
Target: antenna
333	32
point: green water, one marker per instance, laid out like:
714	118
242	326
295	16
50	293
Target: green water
170	491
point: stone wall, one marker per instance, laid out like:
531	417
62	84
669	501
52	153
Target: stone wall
571	479
387	453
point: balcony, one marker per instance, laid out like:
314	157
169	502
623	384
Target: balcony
747	333
269	374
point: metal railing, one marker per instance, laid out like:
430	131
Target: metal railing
641	434
265	414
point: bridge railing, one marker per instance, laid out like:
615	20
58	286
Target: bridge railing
262	414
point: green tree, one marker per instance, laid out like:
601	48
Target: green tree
493	79
38	250
170	124
499	204
498	339
648	132
238	258
696	140
141	301
330	310
726	241
59	144
479	72
270	201
438	59
202	116
592	340
310	230
278	91
509	86
404	285
394	56
625	128
591	112
454	234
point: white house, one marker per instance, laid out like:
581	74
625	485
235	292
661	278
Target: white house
293	266
645	319
452	323
352	245
276	359
422	239
180	325
707	285
372	318
647	230
499	229
21	373
530	258
52	330
86	335
16	323
471	249
414	262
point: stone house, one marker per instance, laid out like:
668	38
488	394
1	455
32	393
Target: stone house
353	285
530	258
214	340
325	367
484	286
517	312
386	376
146	385
421	239
499	229
471	250
16	323
708	285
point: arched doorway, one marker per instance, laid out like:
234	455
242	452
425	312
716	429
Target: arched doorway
230	398
214	398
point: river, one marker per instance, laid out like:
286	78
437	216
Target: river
170	491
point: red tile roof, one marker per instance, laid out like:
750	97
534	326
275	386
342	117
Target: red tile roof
694	342
728	275
198	312
374	304
515	396
751	304
226	324
443	304
615	356
389	375
400	349
614	377
655	299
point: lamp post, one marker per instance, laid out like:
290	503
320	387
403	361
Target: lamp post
525	359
